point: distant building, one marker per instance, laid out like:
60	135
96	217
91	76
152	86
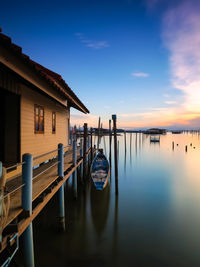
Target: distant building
34	104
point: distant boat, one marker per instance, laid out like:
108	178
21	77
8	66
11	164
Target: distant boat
176	132
100	170
154	139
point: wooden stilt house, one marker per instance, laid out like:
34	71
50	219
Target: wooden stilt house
34	106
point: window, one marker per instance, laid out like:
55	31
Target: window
39	119
53	122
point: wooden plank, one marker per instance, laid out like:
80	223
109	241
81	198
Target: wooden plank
39	185
16	209
25	222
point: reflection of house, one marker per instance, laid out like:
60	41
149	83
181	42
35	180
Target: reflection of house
34	103
155	131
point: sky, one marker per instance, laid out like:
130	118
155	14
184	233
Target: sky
139	59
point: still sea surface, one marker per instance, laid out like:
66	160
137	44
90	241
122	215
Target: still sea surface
154	221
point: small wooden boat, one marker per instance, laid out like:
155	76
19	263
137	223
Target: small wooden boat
154	139
100	170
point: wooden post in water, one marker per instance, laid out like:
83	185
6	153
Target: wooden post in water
61	190
185	148
173	145
91	146
74	175
81	155
114	118
85	150
125	140
27	177
130	140
110	141
98	140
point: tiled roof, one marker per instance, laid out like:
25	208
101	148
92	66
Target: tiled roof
52	78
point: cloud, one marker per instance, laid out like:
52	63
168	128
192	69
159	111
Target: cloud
170	102
91	43
181	35
166	95
140	74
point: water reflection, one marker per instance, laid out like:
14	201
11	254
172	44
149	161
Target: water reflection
100	202
155	222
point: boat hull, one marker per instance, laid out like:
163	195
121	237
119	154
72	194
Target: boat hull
100	171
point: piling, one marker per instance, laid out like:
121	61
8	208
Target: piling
110	141
114	118
185	148
84	150
81	155
91	145
98	140
130	141
74	175
125	140
173	145
61	190
27	176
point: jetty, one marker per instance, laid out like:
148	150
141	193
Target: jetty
29	192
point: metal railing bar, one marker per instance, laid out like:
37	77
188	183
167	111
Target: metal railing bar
16	165
42	155
16	189
45	170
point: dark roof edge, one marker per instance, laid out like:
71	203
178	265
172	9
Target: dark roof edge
65	89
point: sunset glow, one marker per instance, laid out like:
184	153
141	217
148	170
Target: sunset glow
142	64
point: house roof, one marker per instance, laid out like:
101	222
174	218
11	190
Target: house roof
51	77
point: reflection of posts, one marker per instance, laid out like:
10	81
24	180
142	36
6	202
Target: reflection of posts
115	228
114	117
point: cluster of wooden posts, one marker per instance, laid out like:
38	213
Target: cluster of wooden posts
186	146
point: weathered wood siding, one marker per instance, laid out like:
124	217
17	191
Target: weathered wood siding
40	143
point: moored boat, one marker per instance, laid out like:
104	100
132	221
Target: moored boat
154	139
100	170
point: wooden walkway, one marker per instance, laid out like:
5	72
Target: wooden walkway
45	185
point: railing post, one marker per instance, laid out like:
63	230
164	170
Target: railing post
27	176
61	190
74	175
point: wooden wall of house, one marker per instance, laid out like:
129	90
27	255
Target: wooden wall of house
40	143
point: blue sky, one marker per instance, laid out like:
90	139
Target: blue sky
119	57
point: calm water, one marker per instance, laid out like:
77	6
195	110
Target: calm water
155	220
